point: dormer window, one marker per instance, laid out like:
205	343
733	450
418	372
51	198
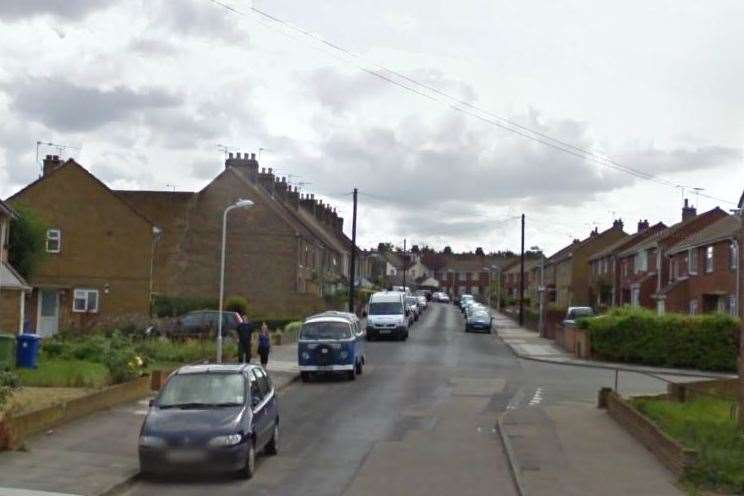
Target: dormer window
53	240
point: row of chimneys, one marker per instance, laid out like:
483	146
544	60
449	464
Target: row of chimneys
278	187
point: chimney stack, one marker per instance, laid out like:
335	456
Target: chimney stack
293	197
642	225
243	163
266	179
688	211
51	163
618	224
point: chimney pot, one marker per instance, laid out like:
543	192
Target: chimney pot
284	179
270	171
51	162
237	155
263	170
253	156
230	155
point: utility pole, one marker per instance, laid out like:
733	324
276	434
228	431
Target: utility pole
405	265
352	269
541	323
521	279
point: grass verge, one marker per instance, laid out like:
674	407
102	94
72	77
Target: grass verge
66	373
708	426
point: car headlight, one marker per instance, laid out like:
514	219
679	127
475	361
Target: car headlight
312	346
305	355
222	441
151	441
344	354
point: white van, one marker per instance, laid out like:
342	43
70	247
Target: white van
387	316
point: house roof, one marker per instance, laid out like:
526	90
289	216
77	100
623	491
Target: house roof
625	242
7	210
722	229
10	279
664	234
529	264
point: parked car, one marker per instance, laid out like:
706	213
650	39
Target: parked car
413	306
387	315
210	418
479	320
441	297
575	313
425	293
464	299
331	342
423	303
203	324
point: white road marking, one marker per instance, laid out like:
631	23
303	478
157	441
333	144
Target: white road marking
537	397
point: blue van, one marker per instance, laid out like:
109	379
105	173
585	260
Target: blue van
331	342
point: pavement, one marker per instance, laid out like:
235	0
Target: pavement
421	420
98	454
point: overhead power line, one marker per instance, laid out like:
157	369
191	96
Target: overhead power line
457	104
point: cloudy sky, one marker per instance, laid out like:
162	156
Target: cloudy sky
146	90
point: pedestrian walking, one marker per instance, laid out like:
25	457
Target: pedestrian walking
264	344
245	331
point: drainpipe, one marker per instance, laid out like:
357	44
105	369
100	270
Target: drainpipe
738	278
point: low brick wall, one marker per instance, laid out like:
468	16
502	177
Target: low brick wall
17	429
691	390
672	454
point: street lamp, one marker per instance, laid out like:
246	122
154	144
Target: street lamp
541	290
238	204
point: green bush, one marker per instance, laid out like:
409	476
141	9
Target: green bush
167	351
171	306
705	342
9	381
237	304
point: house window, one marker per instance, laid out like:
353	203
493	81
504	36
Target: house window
625	267
692	261
85	300
693	307
672	268
53	241
732	305
709	259
733	255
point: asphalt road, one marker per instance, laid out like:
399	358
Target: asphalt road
420	421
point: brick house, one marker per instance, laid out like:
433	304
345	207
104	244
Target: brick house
568	269
511	277
13	287
467	274
282	254
98	262
605	273
703	270
641	269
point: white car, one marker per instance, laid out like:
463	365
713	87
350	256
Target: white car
423	303
387	316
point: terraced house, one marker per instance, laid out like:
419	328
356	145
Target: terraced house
703	269
642	271
283	254
13	287
98	262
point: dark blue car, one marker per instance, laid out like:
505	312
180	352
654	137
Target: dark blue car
210	418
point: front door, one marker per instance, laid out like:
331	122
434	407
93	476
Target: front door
48	319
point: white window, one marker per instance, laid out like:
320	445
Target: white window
53	241
708	259
733	256
692	261
85	300
672	269
732	305
644	260
693	307
635	297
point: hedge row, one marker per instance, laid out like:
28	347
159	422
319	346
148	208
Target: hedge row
704	342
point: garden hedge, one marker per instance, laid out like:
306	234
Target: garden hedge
704	342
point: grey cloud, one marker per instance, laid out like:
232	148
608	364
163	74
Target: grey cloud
65	106
73	10
682	159
152	46
339	91
195	18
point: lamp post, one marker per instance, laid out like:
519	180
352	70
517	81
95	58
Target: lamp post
541	291
237	204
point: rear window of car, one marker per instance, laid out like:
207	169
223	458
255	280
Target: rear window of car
577	313
325	330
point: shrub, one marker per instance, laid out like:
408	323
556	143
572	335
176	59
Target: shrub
237	304
171	306
9	381
705	342
26	246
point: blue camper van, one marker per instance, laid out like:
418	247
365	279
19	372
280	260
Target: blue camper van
331	342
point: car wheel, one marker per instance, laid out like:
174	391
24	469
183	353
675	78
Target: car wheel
359	367
370	337
272	448
405	336
250	462
305	376
351	374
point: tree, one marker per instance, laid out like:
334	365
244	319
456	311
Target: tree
479	252
384	247
26	247
415	249
447	250
434	261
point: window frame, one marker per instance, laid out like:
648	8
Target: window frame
49	238
87	292
693	307
733	255
692	261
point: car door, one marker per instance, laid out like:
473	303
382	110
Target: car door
262	418
257	407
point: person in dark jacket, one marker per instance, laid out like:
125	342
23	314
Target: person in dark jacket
264	344
245	331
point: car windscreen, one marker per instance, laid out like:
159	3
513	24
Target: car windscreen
385	308
203	390
577	313
325	330
481	315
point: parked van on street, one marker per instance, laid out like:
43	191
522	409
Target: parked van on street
331	342
387	316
